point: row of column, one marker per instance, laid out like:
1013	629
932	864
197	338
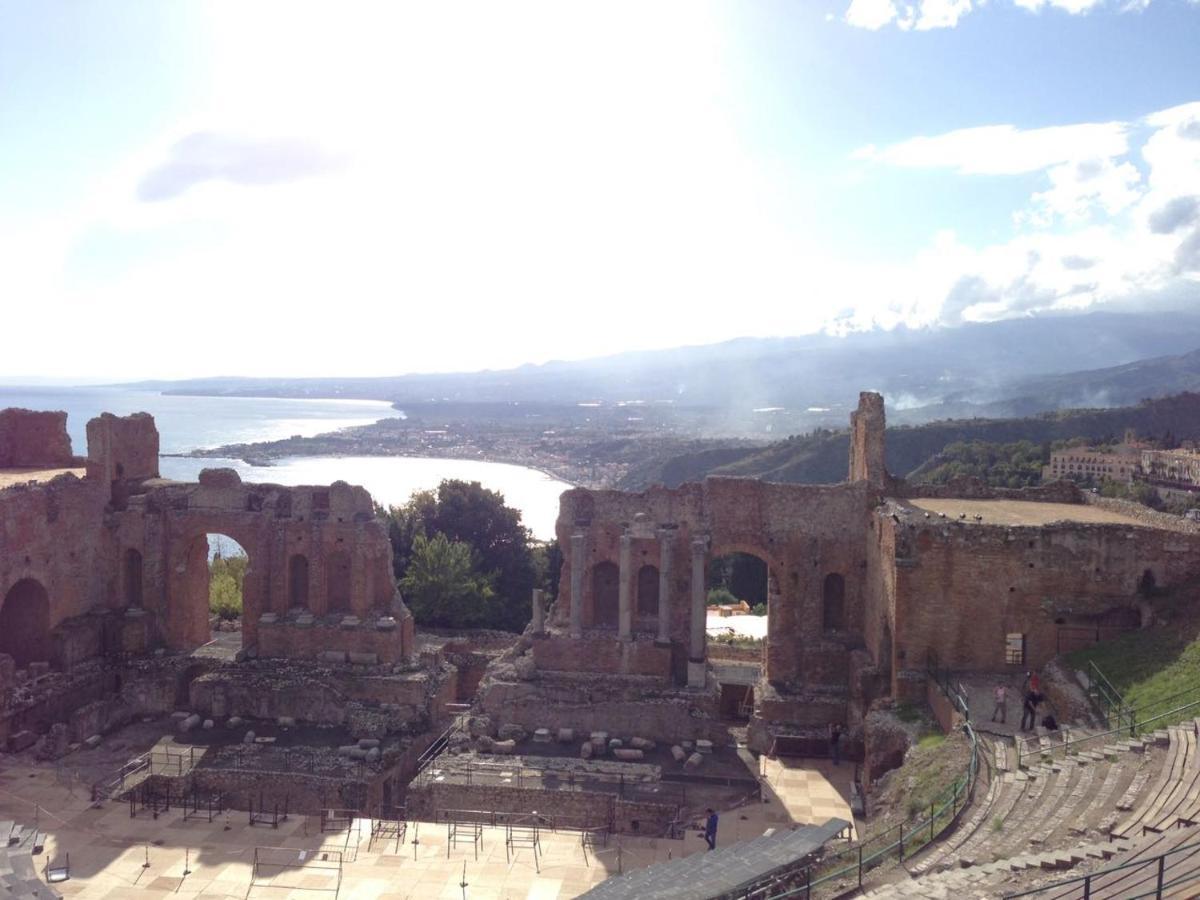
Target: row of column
698	634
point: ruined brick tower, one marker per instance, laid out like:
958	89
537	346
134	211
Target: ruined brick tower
867	425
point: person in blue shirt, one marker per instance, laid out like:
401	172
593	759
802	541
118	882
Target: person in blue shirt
710	829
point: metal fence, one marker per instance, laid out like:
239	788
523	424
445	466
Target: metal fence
1151	869
900	841
1035	747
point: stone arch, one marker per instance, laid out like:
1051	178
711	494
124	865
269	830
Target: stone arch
25	623
338	582
647	592
187	610
298	590
131	578
833	602
606	579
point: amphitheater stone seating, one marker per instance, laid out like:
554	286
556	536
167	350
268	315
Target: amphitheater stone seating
1124	802
19	878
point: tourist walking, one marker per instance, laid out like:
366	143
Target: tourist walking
710	828
1000	695
835	740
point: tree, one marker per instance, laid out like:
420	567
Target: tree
468	513
443	585
226	575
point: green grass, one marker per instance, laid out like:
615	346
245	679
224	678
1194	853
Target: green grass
933	739
1151	665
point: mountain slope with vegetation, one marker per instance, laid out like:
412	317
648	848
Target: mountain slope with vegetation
821	457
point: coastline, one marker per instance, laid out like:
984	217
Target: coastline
256	461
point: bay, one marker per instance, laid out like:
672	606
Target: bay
193	423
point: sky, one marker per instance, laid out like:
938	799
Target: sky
295	189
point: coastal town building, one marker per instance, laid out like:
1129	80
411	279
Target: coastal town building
1086	464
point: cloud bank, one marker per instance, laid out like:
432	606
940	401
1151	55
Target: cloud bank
927	15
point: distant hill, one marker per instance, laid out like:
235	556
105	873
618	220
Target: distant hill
756	386
1122	385
821	457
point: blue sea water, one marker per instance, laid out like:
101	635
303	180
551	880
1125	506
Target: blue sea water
192	423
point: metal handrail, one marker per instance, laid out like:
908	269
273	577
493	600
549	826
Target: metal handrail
1067	744
921	833
1086	880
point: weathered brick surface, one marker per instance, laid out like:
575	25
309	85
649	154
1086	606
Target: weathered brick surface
34	439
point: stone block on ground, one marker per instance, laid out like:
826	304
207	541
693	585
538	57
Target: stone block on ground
234	722
363	659
511	732
189	723
504	748
541	736
704	747
285	722
93	742
679	753
566	735
639	743
586	750
250	738
368	743
332	656
615	744
695	761
208	724
627	754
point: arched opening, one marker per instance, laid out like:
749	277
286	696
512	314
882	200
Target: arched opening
338	582
25	623
132	579
833	603
606	579
298	581
227	566
647	592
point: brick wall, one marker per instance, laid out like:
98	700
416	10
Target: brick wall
30	439
602	653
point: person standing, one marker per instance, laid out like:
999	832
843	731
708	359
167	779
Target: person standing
710	828
1029	711
835	740
1000	695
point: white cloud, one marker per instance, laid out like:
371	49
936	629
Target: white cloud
1003	149
925	15
871	14
1100	232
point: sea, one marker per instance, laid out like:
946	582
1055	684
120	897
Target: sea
196	423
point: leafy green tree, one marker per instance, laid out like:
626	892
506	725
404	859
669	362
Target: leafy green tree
721	596
466	512
226	574
443	585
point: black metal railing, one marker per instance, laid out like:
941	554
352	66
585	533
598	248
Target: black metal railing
1152	868
898	842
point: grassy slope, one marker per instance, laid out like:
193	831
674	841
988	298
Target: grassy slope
1154	664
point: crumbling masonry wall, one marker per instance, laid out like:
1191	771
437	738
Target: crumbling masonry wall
34	440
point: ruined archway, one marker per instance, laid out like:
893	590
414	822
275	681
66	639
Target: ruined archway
298	595
218	580
606	579
646	605
25	623
131	578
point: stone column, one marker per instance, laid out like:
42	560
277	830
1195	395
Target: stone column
577	564
664	586
539	612
696	664
624	601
